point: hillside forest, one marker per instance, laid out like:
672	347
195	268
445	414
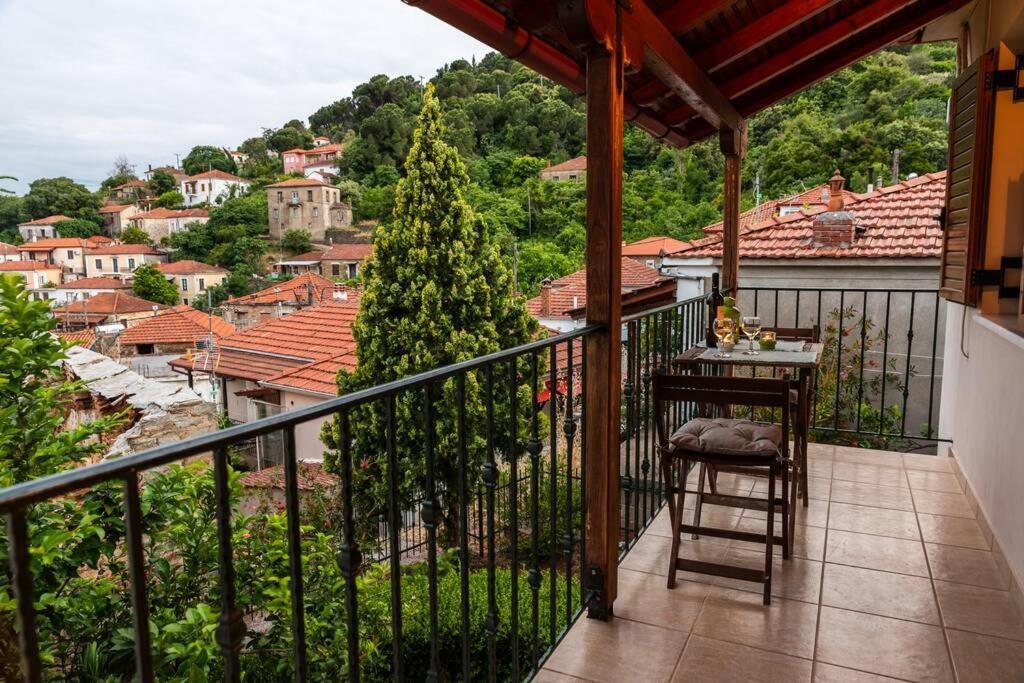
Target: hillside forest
508	123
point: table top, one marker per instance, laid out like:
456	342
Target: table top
809	357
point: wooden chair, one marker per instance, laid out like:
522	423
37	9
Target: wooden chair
724	442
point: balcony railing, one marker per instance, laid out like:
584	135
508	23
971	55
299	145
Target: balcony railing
482	552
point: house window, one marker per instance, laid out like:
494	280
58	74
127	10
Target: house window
280	197
309	195
202	286
353	269
71	253
341	216
573	176
336	269
114	265
185	301
295	197
99	264
277	212
184	284
131	264
554	177
316	211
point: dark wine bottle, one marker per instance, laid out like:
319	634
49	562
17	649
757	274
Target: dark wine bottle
714	300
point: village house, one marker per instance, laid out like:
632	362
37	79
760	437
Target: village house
280	299
116	217
171	332
321	158
562	304
9	252
41	228
306	204
337	261
160	222
211	187
120	260
238	157
321	140
107	308
67	253
192	278
283	364
39	276
175	173
132	191
573	169
814	198
86	287
651	250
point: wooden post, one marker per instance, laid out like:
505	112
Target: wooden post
733	144
604	307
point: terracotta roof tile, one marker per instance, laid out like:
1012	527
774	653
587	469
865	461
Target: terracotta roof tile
84	337
114	249
769	209
900	221
310	475
95	283
187	267
54	243
315	333
289	291
242	365
577	164
217	174
317	378
301	182
652	246
178	325
115	208
161	212
336	252
26	266
109	303
569	293
49	220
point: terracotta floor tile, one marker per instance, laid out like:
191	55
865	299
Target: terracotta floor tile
821	451
943	482
828	673
884	646
872	520
984	659
949	504
952	531
785	626
618	650
881	593
706	660
868	457
808	542
549	676
876	552
869	474
966	565
933	463
980	610
819	467
794	579
651	555
815	514
858	493
643	597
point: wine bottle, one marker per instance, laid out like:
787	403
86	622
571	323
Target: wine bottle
715	301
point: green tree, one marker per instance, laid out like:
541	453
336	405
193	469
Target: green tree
249	210
162	182
289	137
76	227
150	284
170	200
296	241
135	235
50	196
437	291
205	157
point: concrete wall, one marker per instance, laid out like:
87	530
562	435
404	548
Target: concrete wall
307	435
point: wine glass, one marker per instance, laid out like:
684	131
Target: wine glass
751	327
723	328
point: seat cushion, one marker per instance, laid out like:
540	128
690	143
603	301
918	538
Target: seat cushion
728	437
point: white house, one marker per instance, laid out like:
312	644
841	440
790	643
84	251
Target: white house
41	228
86	288
211	187
36	274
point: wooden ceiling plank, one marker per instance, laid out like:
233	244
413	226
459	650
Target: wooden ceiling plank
684	15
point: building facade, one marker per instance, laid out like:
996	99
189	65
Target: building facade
337	261
120	260
573	169
41	228
192	278
306	204
116	217
211	187
160	222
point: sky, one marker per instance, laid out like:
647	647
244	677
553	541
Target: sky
83	83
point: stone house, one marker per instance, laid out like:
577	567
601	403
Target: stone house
107	308
41	228
160	222
116	217
192	278
306	204
337	261
281	299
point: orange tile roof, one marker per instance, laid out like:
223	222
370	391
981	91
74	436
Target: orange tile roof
217	174
315	333
569	293
110	303
115	208
161	212
336	252
310	475
25	266
8	249
177	325
52	243
769	209
95	283
289	291
84	337
577	164
899	221
187	267
113	249
135	182
301	182
652	246
242	365
49	220
317	378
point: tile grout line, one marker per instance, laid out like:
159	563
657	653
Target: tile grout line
821	581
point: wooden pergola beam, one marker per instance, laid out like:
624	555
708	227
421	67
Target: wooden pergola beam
683	16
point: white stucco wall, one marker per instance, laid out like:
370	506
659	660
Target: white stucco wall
307	435
982	412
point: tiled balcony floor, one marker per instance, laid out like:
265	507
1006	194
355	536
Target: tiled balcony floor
894	578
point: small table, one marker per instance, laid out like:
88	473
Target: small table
804	362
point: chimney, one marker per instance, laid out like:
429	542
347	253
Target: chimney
309	292
545	298
834	228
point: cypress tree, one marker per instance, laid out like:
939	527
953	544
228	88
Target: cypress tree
437	291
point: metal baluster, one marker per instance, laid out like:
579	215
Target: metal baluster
349	556
460	401
553	493
230	627
583	475
137	574
931	380
628	390
490	479
644	466
291	490
863	344
21	583
906	374
394	529
533	447
569	429
839	359
430	513
796	313
513	456
885	363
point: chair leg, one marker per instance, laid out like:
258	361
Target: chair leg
802	458
769	536
787	538
677	525
666	477
699	503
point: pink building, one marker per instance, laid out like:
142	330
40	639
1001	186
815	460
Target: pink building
296	160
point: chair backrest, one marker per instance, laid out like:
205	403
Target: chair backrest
720	391
809	334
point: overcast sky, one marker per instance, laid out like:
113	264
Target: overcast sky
85	82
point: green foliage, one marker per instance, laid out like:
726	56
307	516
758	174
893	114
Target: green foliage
296	241
239	282
289	137
134	235
150	284
249	210
12	212
77	227
204	158
171	199
436	292
50	196
162	182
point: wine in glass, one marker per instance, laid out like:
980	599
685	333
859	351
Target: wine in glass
751	327
723	328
